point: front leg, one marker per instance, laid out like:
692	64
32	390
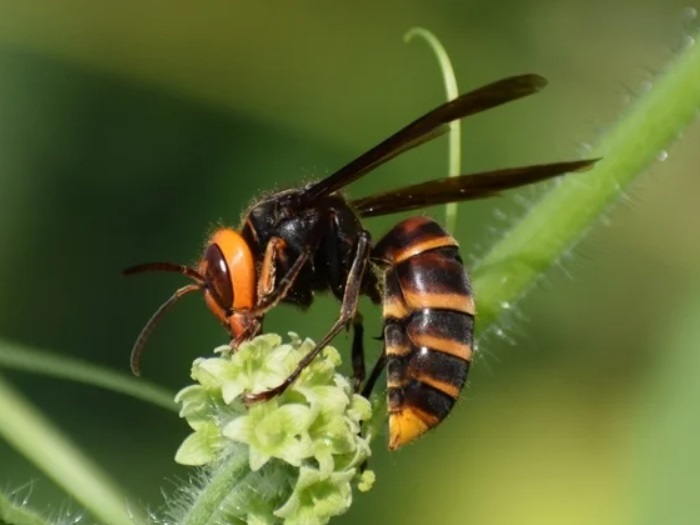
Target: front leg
274	292
247	323
274	251
348	311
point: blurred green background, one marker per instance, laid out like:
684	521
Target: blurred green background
128	129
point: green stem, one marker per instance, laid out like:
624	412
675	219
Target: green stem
228	476
20	357
44	445
563	215
18	514
455	147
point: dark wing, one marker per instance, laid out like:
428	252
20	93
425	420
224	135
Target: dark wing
462	188
427	127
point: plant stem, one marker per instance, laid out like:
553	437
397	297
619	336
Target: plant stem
563	215
45	446
21	357
18	514
224	480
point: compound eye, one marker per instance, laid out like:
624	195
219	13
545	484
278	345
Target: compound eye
218	277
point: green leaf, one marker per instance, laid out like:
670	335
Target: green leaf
24	428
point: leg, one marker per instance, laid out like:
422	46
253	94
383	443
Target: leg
347	313
358	352
273	251
378	367
276	292
266	292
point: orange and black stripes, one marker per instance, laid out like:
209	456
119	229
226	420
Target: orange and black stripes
428	326
410	237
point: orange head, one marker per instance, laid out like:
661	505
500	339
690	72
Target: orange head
226	274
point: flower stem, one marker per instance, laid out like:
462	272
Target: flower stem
222	483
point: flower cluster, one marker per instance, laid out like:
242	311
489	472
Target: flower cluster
312	433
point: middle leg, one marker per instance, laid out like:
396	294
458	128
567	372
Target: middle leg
348	311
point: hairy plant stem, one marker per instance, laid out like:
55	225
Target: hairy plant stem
565	214
225	478
12	513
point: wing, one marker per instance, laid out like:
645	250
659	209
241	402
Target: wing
425	128
462	188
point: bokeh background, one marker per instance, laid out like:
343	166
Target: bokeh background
128	129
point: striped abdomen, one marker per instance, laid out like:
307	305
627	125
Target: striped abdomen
428	314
